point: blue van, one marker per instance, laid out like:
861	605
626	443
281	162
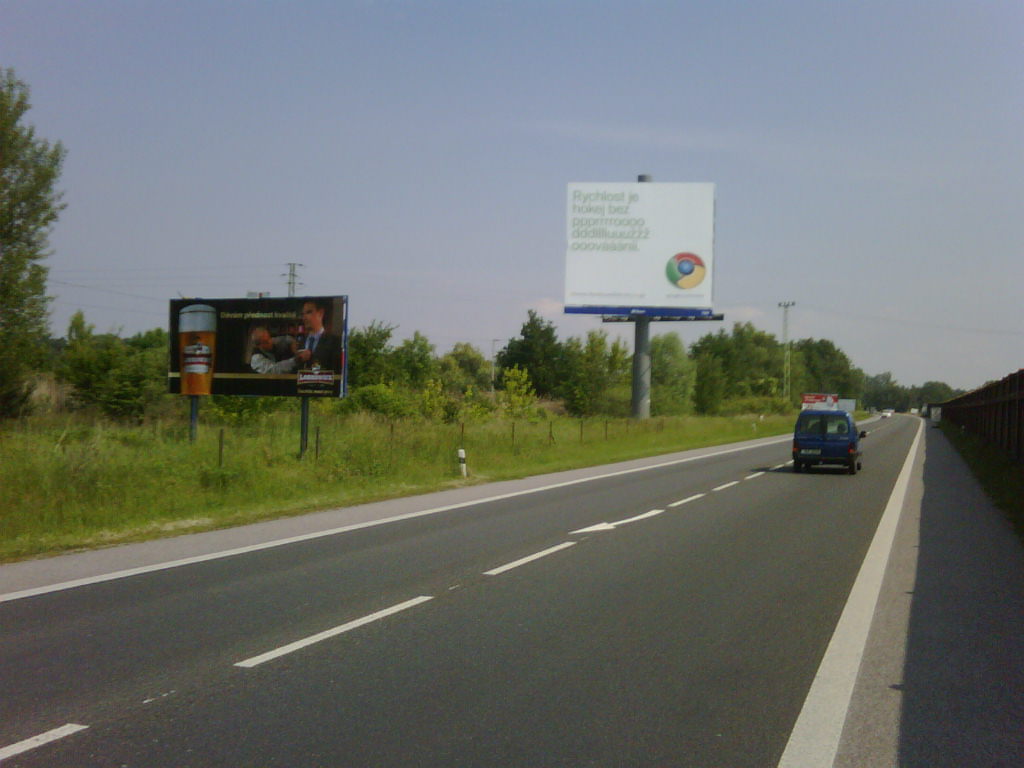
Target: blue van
826	437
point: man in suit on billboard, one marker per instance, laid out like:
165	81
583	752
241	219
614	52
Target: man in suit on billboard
320	347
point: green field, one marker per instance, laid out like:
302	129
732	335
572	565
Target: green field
72	483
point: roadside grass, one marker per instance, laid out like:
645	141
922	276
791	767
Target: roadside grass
72	483
1000	476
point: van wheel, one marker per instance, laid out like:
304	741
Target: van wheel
853	467
797	466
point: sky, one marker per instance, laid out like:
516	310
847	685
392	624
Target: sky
414	156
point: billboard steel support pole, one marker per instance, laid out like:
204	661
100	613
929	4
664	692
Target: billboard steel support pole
193	418
641	399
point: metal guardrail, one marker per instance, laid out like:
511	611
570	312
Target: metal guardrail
995	413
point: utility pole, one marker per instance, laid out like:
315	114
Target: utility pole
292	277
785	343
493	342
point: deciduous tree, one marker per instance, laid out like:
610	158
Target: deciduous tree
673	375
29	206
120	377
538	352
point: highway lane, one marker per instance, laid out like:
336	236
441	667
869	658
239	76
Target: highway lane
688	637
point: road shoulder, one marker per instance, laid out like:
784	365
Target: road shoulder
940	683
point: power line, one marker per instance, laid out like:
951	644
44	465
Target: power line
170	270
916	323
106	290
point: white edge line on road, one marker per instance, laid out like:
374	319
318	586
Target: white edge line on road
300	644
726	485
128	572
40	740
819	727
688	499
528	559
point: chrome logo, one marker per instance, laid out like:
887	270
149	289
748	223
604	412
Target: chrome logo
685	270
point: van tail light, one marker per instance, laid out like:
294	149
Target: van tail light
796	446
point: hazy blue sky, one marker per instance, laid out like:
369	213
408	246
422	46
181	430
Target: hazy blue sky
867	157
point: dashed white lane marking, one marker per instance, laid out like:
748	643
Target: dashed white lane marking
644	516
151	699
40	740
687	500
597	527
528	559
613	526
726	485
299	644
751	477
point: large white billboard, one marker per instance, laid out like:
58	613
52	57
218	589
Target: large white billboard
640	249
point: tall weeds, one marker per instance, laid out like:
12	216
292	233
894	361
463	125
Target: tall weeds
69	482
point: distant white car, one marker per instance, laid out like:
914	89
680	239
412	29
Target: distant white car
887	413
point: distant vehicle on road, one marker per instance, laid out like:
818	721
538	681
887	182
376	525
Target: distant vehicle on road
826	437
887	413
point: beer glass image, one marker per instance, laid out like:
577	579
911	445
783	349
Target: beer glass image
197	342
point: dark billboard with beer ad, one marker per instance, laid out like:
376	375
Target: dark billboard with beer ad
284	347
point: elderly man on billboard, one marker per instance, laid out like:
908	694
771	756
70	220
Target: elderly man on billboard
272	354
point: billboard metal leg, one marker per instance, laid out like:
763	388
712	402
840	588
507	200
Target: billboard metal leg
641	401
193	420
304	426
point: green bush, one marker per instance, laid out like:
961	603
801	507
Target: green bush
241	409
381	399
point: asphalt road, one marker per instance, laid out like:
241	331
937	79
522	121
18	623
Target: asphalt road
673	616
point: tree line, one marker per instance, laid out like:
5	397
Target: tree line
722	373
739	371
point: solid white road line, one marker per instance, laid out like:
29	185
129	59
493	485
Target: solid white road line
528	559
299	644
726	485
688	499
815	737
38	741
128	572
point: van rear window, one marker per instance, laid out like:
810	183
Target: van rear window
822	424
